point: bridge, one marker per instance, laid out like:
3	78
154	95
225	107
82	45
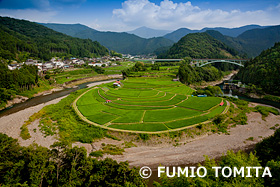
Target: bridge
203	62
198	62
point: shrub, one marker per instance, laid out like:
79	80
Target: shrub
144	136
264	110
47	76
219	119
96	154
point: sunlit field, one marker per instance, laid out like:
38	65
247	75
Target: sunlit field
147	105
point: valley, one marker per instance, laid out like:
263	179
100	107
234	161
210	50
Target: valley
97	112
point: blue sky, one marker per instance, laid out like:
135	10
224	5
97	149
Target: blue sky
125	15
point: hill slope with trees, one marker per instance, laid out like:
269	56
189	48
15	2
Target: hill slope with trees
199	45
20	39
264	70
120	42
250	40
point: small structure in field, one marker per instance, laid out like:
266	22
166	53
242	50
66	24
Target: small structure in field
222	103
202	95
108	101
117	83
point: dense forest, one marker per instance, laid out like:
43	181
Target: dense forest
264	70
199	45
20	39
61	166
16	81
38	166
189	75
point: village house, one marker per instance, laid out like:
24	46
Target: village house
48	66
13	66
96	64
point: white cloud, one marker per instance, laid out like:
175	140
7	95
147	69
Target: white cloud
170	15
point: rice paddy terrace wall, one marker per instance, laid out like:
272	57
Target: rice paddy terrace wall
146	105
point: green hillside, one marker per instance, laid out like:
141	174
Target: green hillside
264	70
229	41
20	39
199	45
120	42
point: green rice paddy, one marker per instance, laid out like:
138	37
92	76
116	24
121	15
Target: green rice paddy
146	105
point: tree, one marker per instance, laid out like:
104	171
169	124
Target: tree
155	67
62	166
240	159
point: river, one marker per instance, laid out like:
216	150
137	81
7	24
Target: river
45	98
250	99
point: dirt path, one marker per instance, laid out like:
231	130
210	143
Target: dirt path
214	145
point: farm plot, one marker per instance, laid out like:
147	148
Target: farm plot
146	105
201	103
169	114
172	101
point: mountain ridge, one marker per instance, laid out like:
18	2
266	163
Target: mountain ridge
251	42
121	42
244	43
233	32
145	32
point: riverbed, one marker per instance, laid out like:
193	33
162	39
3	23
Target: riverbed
12	119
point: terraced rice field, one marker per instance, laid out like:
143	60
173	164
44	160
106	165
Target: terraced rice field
146	105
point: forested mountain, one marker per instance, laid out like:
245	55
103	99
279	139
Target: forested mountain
233	32
256	40
199	45
250	42
229	41
120	42
146	32
21	39
264	70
